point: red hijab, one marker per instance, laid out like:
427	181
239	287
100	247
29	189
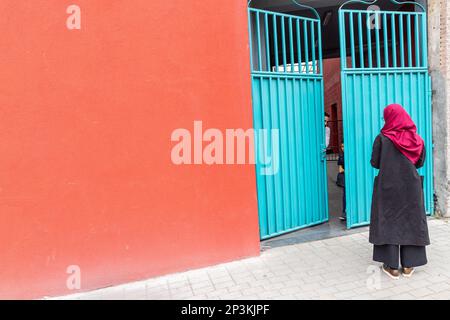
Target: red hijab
402	131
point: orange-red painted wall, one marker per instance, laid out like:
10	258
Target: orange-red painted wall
85	123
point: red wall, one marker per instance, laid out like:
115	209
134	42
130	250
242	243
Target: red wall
86	118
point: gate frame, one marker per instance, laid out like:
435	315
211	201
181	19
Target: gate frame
422	65
317	63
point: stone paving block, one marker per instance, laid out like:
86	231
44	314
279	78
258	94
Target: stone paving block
268	295
421	292
217	293
345	294
160	295
113	294
181	292
439	287
136	292
403	296
401	288
203	290
157	288
275	286
383	294
199	297
289	290
278	279
179	284
232	296
362	297
252	291
239	287
201	284
217	280
346	286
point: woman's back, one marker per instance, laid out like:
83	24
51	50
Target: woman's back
398	212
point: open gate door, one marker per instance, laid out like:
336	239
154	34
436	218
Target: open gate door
287	92
384	60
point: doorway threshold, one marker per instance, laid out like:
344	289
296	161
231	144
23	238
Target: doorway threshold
321	232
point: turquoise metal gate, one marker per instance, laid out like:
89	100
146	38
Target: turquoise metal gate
287	91
384	60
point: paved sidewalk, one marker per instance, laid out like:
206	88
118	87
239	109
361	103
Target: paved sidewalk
337	268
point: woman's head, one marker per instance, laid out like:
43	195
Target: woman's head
396	118
402	131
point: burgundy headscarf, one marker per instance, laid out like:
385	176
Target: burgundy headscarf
402	131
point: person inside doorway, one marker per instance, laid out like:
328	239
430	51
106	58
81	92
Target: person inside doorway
340	181
327	131
398	226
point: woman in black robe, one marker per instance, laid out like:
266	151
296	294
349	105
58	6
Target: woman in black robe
398	226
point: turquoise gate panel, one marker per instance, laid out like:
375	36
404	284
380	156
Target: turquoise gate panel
287	92
392	68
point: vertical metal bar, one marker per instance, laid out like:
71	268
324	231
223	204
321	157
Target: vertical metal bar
313	48
361	42
428	119
387	88
262	146
410	64
319	40
402	88
257	123
291	45
386	44
394	85
303	161
275	42
377	38
317	146
425	40
346	127
352	40
342	35
420	91
266	29
292	154
283	36
402	41
417	41
298	157
278	177
369	40
308	146
288	150
273	124
258	41
305	27
354	180
285	151
324	163
270	180
250	39
394	40
364	141
299	47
